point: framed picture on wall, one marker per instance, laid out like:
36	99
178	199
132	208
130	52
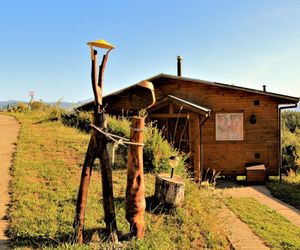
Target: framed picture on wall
229	127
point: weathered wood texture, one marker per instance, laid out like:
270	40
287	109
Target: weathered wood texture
169	190
135	190
195	145
107	183
97	149
227	157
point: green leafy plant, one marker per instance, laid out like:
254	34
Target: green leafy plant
290	140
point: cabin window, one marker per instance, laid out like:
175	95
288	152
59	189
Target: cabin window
229	126
256	102
257	155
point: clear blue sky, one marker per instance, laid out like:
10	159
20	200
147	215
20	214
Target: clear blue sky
247	43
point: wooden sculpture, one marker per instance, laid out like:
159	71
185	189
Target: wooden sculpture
141	97
97	149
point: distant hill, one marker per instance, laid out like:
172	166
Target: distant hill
3	104
64	105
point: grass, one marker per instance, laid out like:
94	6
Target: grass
274	229
47	168
287	190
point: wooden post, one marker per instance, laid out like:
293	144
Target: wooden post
135	190
107	184
196	146
83	191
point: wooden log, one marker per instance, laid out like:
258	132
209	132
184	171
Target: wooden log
135	190
169	190
83	191
107	184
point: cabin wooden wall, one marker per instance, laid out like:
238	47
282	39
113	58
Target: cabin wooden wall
230	157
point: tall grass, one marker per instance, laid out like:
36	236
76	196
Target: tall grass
47	169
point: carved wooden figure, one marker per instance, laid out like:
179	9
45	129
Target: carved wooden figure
141	97
97	149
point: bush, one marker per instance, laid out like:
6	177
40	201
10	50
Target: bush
290	140
157	150
80	120
22	107
291	120
39	106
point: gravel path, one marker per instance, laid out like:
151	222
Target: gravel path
9	130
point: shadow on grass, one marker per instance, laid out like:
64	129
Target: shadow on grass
37	242
46	120
223	183
287	191
154	206
41	241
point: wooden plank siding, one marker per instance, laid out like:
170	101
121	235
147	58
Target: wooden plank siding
260	140
230	157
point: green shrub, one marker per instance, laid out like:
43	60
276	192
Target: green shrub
22	107
39	106
157	150
290	139
80	120
118	126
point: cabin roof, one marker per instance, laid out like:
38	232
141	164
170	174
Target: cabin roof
224	85
290	99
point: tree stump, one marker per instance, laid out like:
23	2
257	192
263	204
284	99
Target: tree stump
169	190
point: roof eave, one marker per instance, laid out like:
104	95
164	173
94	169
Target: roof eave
256	91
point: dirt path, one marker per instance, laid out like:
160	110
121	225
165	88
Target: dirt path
263	195
9	130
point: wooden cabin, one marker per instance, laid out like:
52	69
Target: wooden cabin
223	127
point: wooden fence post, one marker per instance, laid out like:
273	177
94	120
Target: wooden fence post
135	190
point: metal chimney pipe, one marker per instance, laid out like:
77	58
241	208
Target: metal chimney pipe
264	88
179	59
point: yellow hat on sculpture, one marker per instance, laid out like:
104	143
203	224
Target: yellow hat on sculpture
101	44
